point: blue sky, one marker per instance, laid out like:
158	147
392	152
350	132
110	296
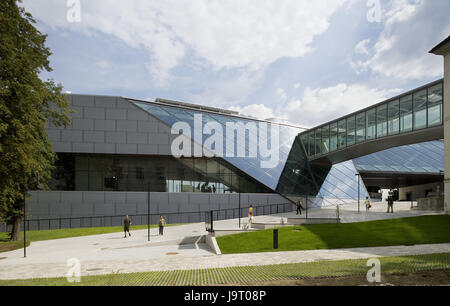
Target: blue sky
305	61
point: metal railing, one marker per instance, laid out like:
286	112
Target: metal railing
233	213
141	219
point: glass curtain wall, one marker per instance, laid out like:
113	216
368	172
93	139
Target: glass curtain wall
102	172
413	111
420	109
435	105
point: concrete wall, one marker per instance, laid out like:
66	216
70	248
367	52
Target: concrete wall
175	207
418	191
108	124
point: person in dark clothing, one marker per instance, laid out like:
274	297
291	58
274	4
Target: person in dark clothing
390	203
126	226
299	207
162	223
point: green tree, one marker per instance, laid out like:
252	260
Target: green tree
26	104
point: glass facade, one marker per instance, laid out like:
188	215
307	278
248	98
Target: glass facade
360	127
301	178
426	157
351	130
105	172
406	109
342	183
435	111
413	111
394	117
254	136
420	109
381	121
238	168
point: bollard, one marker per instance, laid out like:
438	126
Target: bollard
275	238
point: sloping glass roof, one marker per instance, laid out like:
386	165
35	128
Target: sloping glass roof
250	165
425	157
341	183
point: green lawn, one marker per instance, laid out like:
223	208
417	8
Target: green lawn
404	231
249	275
7	245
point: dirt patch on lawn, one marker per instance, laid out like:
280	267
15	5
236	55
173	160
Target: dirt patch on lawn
424	278
6	246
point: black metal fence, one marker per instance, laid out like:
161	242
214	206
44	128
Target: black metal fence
142	219
233	213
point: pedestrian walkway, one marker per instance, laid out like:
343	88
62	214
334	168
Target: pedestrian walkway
111	253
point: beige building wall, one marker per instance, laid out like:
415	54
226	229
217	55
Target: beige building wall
444	49
447	129
419	191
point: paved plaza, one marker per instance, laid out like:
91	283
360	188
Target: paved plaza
177	249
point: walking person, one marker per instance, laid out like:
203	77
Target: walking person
126	226
299	207
250	214
161	223
367	203
390	203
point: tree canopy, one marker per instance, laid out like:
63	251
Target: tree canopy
27	104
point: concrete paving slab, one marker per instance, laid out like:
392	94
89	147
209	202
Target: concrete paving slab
112	253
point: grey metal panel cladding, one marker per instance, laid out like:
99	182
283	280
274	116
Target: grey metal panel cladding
136	197
147	149
106	101
160	197
149	126
61	146
82	124
105	148
83	100
94	136
69	196
126	125
126	148
114	197
125	209
83	147
78	111
116	137
159	139
94	112
136	114
164	150
104	125
94	197
184	207
72	135
137	138
109	125
54	135
116	114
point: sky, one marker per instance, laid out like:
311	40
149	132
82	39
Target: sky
304	61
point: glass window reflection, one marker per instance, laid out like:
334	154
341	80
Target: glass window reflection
420	109
406	108
394	117
435	105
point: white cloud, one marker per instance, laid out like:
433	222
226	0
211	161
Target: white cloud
281	94
259	111
224	34
228	89
320	105
411	28
361	47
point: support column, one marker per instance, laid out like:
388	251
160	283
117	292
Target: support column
444	49
447	130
